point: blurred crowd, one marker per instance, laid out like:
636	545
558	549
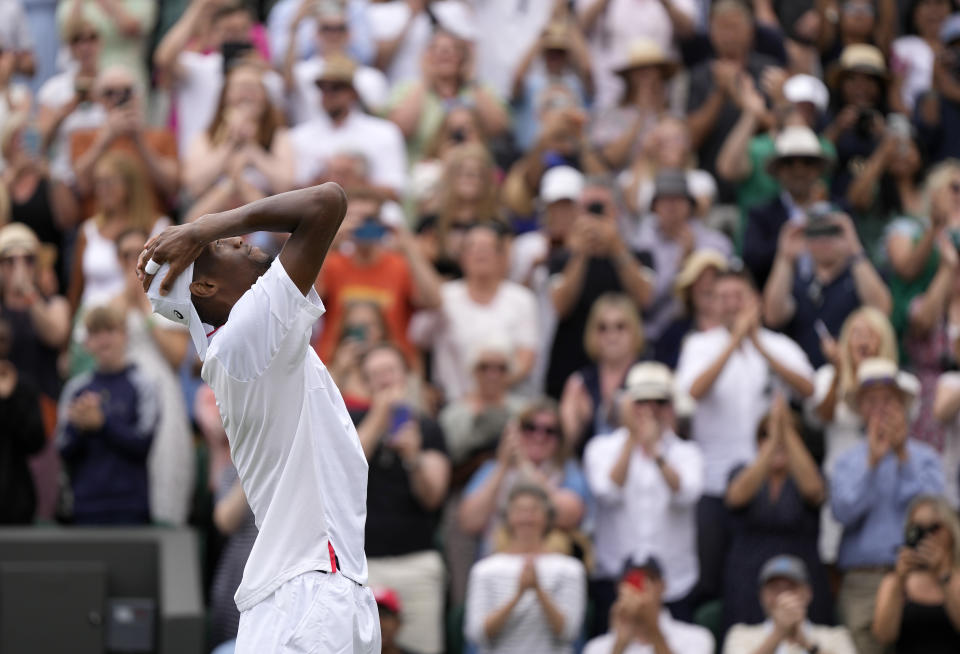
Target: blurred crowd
647	312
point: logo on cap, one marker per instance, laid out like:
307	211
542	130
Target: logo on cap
178	314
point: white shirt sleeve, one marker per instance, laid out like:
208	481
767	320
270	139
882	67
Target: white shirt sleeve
822	381
477	605
390	165
598	459
696	355
525	331
571	598
687	460
269	326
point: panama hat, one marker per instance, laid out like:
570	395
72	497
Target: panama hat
646	52
796	141
859	58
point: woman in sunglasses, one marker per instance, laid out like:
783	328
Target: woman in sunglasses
531	450
918	604
614	340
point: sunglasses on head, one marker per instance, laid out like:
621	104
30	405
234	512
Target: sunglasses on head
26	259
528	427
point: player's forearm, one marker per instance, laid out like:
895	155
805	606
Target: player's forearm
277	213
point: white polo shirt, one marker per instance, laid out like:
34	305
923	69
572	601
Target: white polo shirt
644	517
291	438
725	419
681	638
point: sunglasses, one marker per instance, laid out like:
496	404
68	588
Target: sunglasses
659	402
806	161
605	327
490	366
334	29
534	428
931	528
459	227
84	38
118	94
332	87
25	259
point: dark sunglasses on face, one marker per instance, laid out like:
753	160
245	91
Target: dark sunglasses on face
332	87
491	366
806	161
335	29
656	402
84	38
118	94
605	327
534	428
25	259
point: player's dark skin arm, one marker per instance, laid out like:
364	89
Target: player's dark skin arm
312	216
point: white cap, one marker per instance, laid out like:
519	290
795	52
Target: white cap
807	88
561	183
649	380
177	305
878	371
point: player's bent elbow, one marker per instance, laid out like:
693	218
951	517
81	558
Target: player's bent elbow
325	197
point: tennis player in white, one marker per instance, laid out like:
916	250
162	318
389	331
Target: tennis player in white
291	438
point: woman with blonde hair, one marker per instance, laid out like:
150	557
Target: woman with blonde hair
124	202
918	604
467	194
613	339
866	333
245	154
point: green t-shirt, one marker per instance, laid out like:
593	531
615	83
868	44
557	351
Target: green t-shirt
760	187
904	291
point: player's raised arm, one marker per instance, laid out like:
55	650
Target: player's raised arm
312	215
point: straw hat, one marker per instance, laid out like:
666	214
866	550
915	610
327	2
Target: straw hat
337	68
884	372
646	52
556	37
17	236
859	58
796	141
694	266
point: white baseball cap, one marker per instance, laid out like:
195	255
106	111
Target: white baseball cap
807	88
177	305
561	183
649	380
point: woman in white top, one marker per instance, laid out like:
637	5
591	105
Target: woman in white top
124	201
525	600
912	55
866	333
245	154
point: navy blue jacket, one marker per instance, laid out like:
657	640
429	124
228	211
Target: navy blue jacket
760	238
108	467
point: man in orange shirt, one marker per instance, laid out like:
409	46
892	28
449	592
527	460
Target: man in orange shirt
124	129
364	269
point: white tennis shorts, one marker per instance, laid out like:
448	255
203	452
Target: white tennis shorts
313	613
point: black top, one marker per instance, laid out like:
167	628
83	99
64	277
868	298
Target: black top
567	355
35	361
396	522
926	629
21	436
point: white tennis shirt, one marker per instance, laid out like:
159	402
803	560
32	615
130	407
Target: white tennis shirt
291	438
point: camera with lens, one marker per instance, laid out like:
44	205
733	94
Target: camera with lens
866	120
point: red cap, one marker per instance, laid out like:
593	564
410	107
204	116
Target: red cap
388	599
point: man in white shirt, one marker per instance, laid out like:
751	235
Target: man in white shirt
785	595
294	446
646	482
344	127
641	625
731	372
332	36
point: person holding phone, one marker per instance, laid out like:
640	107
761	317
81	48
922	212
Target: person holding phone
526	599
407	486
918	604
640	623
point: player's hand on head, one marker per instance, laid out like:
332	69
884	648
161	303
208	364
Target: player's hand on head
179	245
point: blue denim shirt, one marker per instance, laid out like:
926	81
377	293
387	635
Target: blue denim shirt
871	504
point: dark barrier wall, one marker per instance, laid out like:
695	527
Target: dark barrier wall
54	583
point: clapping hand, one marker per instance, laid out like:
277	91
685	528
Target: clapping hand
528	576
85	412
789	612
